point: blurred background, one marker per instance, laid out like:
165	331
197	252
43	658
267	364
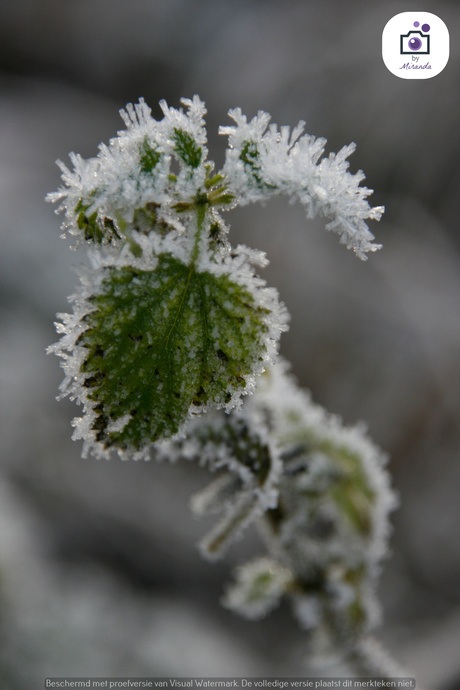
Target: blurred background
99	570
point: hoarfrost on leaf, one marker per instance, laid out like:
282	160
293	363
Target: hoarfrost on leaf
324	518
173	320
144	350
258	588
319	494
263	161
171	326
331	526
239	449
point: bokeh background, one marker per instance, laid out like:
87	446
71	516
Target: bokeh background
99	571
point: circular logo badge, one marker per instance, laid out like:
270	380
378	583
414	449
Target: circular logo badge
415	45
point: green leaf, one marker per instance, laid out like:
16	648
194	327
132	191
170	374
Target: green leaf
240	442
186	148
94	229
149	156
162	343
350	489
251	158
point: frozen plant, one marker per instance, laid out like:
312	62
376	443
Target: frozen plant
171	326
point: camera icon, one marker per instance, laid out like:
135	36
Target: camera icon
415	42
415	45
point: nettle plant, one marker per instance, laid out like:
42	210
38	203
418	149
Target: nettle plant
172	327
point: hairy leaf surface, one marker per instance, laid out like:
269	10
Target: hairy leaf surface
163	343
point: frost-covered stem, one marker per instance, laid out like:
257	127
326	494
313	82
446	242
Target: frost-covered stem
201	210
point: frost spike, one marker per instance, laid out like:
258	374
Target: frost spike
262	162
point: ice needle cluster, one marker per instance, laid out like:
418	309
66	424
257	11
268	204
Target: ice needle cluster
171	326
264	161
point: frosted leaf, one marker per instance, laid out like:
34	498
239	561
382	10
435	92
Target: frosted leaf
231	527
240	450
335	494
243	166
130	184
263	161
317	490
258	588
216	494
148	346
130	179
191	122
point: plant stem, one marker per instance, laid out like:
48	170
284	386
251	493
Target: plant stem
201	208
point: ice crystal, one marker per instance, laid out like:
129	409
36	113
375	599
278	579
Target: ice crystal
130	181
263	161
